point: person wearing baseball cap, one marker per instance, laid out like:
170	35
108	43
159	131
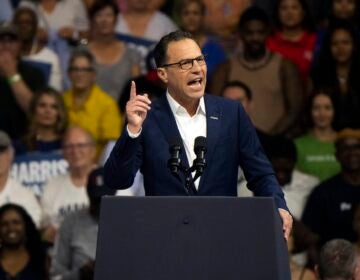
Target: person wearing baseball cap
12	191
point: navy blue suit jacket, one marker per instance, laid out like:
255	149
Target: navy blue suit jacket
231	142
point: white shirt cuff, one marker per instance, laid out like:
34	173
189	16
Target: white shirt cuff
132	135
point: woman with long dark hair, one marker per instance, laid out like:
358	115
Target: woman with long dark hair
316	149
47	123
22	255
337	68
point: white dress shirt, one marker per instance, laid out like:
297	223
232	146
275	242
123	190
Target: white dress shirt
189	127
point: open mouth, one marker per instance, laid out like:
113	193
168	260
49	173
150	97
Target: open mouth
196	82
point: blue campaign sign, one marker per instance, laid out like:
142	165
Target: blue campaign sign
34	169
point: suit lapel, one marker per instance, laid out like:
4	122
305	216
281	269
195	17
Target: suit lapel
213	122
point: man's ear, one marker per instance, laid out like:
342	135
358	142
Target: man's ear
316	270
162	73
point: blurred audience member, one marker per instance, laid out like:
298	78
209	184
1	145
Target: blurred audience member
296	185
115	62
345	9
6	10
294	37
34	51
65	194
298	272
22	255
337	68
47	123
64	18
330	208
191	15
239	91
273	80
17	83
88	105
74	256
356	225
316	149
222	16
337	261
10	190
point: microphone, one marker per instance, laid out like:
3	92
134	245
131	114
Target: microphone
200	150
174	161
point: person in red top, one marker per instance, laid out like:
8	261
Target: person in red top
294	37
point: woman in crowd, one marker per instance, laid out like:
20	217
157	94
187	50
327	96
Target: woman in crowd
316	149
47	123
294	37
89	106
337	68
115	62
22	255
191	15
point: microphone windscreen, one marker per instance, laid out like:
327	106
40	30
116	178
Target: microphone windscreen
200	143
175	142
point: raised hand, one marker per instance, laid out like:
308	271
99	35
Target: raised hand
136	109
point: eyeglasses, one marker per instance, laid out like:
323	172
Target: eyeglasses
187	64
76	146
81	69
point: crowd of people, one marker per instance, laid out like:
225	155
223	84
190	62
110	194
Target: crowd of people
66	68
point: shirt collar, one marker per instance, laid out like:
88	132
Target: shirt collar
179	110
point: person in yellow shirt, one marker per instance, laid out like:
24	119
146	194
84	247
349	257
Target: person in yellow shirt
88	105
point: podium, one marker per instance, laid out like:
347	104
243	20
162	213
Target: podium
202	238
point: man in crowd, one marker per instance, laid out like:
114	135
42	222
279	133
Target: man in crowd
329	212
184	113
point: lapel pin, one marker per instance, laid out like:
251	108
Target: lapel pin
214	118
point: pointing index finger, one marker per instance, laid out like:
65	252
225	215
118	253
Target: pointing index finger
133	90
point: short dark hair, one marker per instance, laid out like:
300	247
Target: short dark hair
160	50
82	52
337	259
253	13
241	85
102	4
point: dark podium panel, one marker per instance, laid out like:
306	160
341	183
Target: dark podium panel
190	238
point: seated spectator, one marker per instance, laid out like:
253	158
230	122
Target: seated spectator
142	26
338	261
65	194
47	123
329	211
294	37
34	51
66	18
22	254
316	149
115	63
17	83
337	68
279	99
191	15
10	190
296	185
88	105
75	249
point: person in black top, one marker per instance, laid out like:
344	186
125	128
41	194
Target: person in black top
330	208
18	81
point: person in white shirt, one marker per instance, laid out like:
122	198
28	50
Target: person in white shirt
65	194
33	50
10	190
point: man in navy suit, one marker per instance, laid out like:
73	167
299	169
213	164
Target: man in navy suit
185	112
